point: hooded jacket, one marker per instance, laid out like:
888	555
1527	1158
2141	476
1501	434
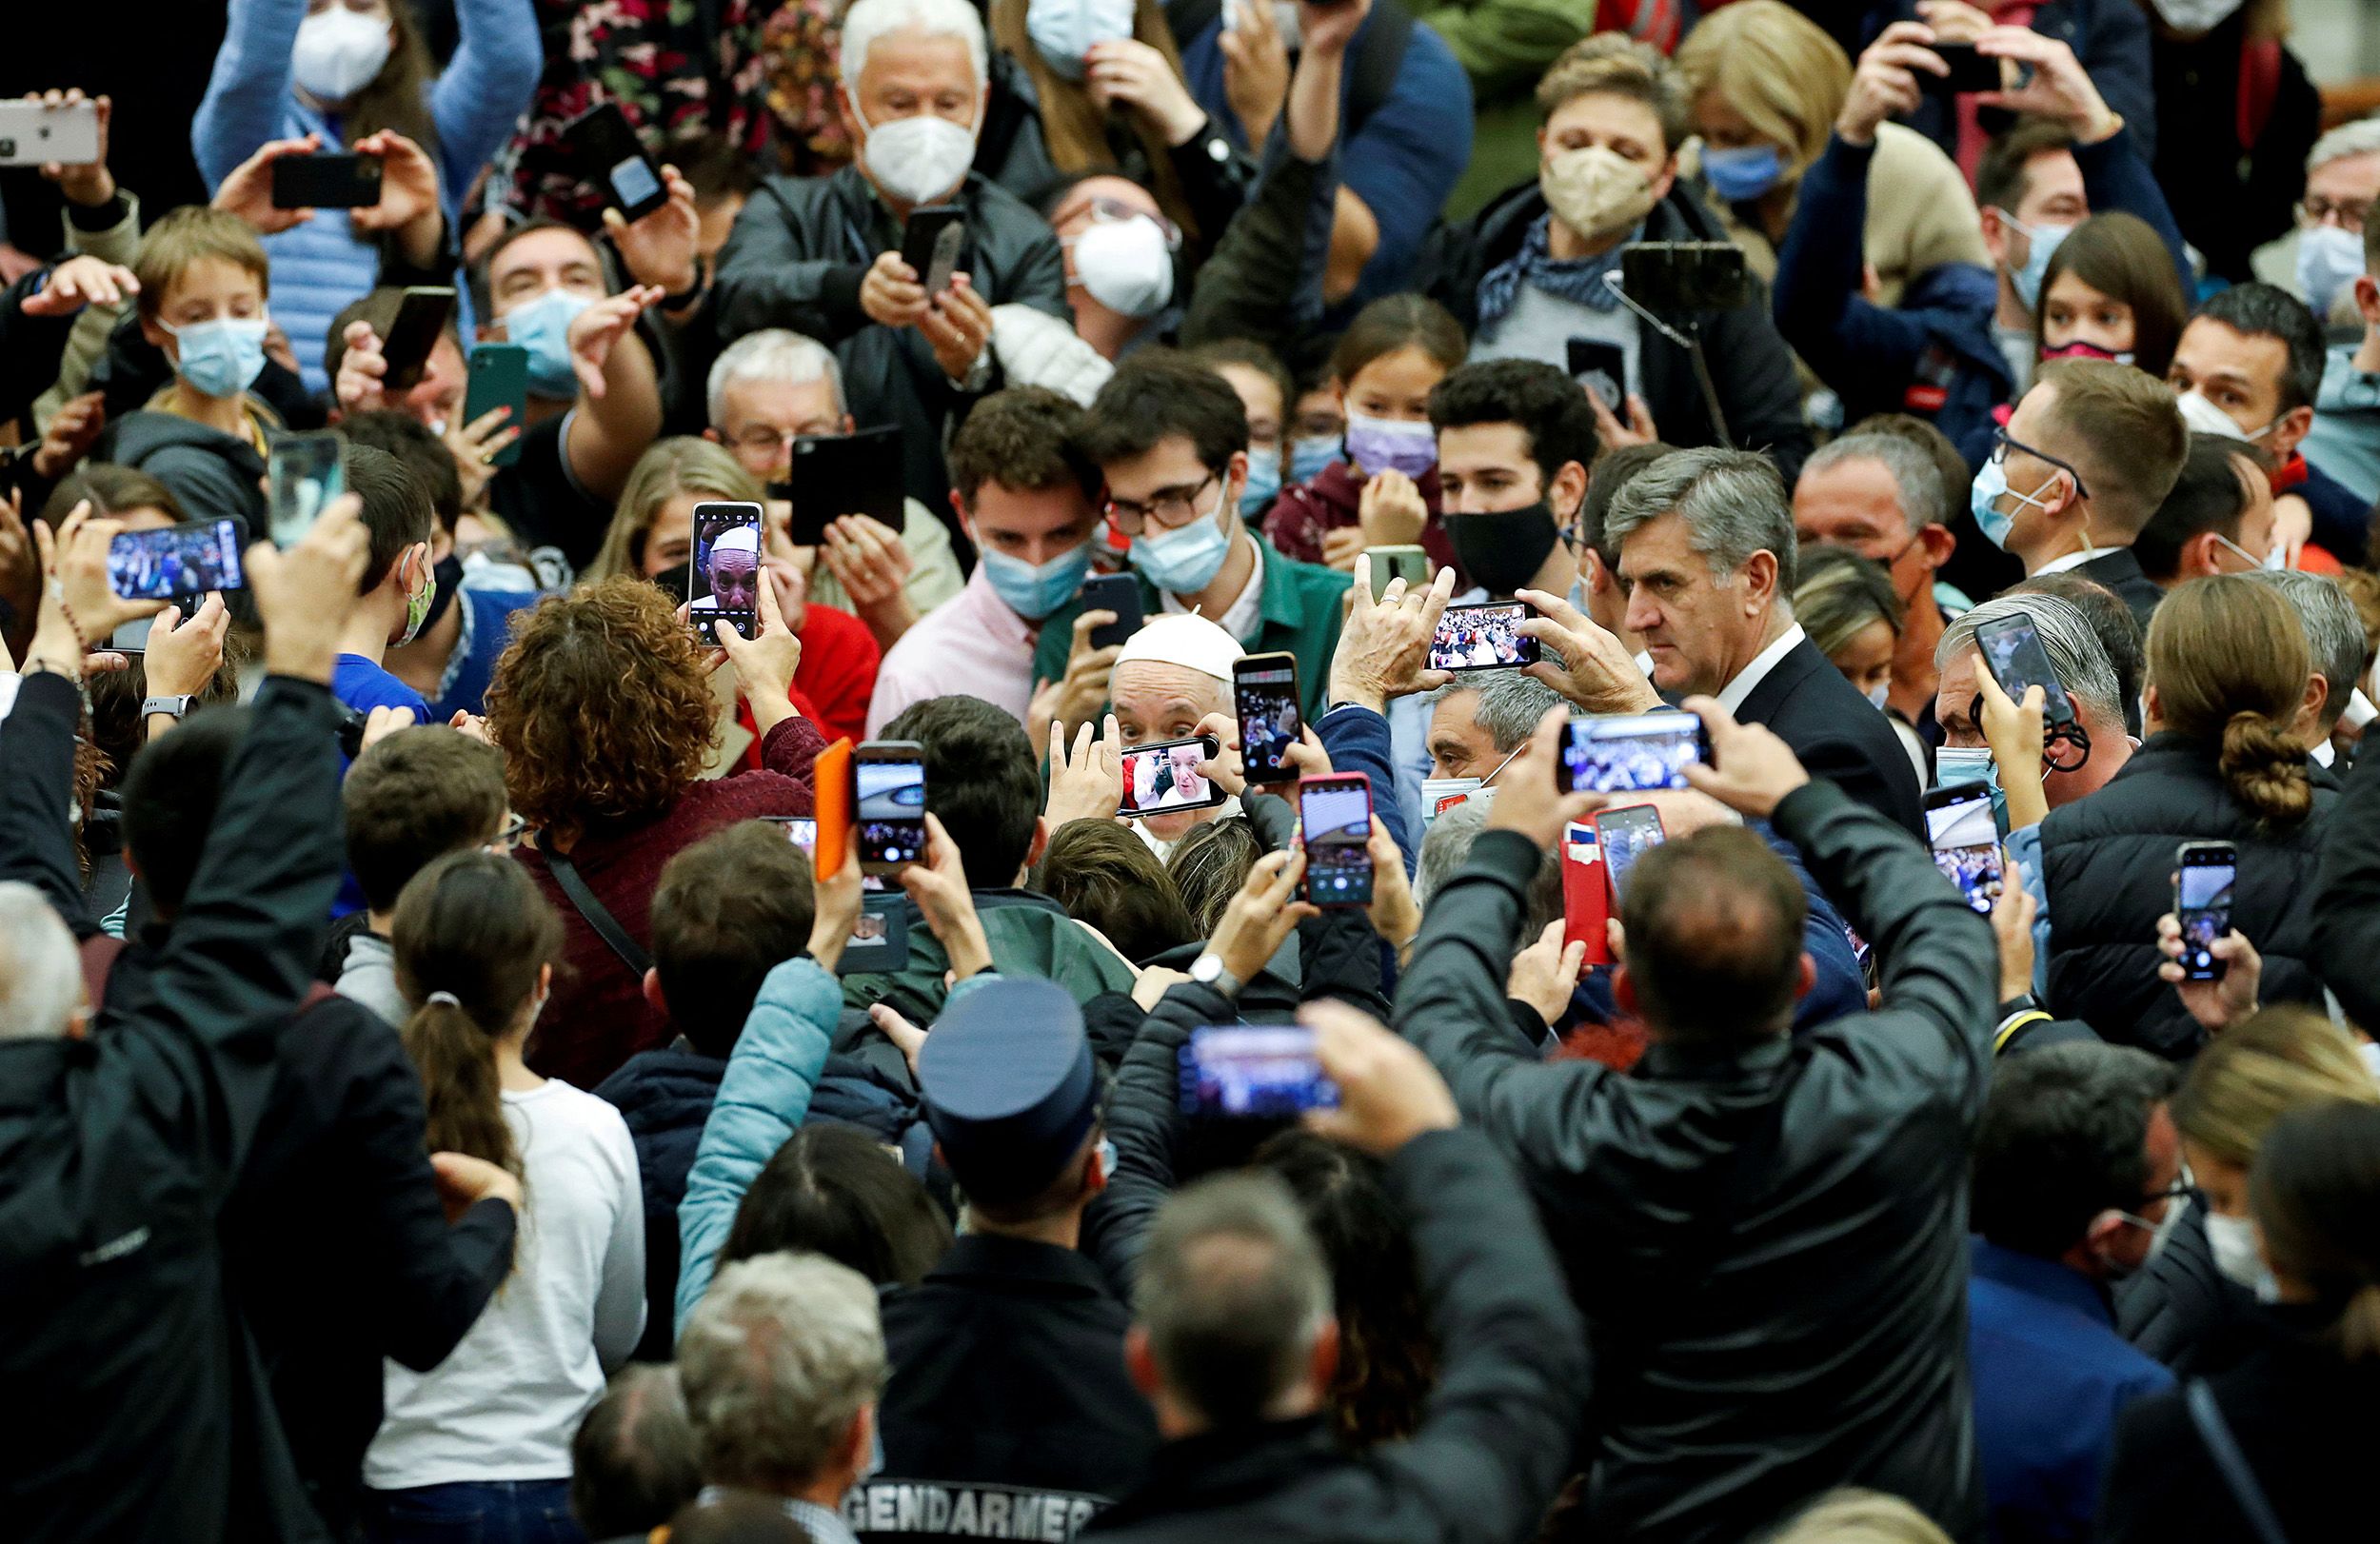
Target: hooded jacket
214	475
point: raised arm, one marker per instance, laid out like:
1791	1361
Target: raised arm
619	407
248	94
485	87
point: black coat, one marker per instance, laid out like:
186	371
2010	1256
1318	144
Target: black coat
2120	571
1837	734
2347	898
1496	1437
1768	1236
140	1411
2107	863
2181	1310
664	1097
1008	1381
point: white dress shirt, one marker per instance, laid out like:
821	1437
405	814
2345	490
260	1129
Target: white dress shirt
1731	695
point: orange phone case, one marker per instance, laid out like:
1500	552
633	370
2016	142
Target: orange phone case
834	794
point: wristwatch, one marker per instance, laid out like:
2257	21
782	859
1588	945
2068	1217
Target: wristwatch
1207	970
172	707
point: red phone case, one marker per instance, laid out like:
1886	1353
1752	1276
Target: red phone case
1586	895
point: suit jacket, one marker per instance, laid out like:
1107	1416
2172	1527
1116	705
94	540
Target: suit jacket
1838	734
2120	571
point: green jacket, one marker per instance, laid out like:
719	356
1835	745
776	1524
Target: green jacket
1505	46
1030	934
1301	607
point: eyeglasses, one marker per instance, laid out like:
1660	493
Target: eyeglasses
766	440
1108	211
2348	212
2179	1190
1170	510
2002	443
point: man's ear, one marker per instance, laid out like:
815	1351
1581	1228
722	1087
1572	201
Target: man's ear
1937	543
1322	1362
712	435
653	997
1141	1364
1040	843
1760	571
1568	492
158	338
2290	428
2367	299
1995	232
2318	698
1625	992
966	520
1805	976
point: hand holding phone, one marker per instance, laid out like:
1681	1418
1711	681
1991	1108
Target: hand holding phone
422	316
930	244
723	573
1966	842
609	155
1265	702
1253	1072
1120	593
1632	752
2012	651
1164	779
1335	815
498	376
177	564
2205	873
889	777
303	474
1484	637
1625	834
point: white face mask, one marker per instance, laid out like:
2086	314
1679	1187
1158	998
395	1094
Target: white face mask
2205	417
918	159
2195	16
339	53
2232	1241
1880	694
1064	30
1125	266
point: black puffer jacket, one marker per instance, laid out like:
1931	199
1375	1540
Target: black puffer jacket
2108	863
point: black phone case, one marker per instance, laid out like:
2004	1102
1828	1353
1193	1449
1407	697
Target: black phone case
325	181
412	336
1120	593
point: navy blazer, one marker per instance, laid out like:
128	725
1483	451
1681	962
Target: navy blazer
1837	734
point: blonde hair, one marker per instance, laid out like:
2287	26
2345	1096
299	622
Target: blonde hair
1777	69
2228	661
1617	65
191	234
1855	1516
2268	1063
680	464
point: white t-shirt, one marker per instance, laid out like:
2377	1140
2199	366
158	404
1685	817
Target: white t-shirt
504	1403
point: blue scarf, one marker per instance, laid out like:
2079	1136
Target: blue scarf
1579	279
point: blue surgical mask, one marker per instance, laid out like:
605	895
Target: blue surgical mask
2329	260
1263	486
1033	590
1983	501
2041	242
1955	764
1308	457
1743	173
221	358
543	327
1390	444
1182	562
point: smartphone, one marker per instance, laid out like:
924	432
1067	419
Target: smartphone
303	473
930	243
1685	275
1120	593
132	637
1586	894
1603	370
1966	842
1408	564
422	315
1264	700
497	376
180	562
325	181
1624	834
608	153
890	804
2202	903
1483	637
1163	777
2012	652
32	134
1253	1072
845	474
1631	752
880	938
832	795
801	830
1969	71
723	576
1335	815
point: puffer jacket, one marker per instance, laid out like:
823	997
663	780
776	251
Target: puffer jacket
664	1096
2108	860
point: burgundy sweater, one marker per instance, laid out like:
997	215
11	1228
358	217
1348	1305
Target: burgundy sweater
597	1017
1332	497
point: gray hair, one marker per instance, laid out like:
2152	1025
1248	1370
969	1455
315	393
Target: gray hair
2334	632
776	1361
871	19
1733	503
1232	1291
771	354
1445	845
1509	707
1917	479
2359	137
2075	655
41	976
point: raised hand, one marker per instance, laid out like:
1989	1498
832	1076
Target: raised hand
659	248
597	330
1755	770
247	191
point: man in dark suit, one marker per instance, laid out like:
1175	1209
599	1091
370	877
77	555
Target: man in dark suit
1706	555
2084	461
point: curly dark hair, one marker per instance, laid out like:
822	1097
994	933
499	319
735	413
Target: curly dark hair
600	706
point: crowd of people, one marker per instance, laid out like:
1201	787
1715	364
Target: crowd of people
704	954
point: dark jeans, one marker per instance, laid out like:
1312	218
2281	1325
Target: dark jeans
485	1512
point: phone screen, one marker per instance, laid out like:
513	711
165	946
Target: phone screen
1337	819
799	829
2012	652
723	573
1265	701
178	562
305	474
891	811
1966	844
1161	777
1626	835
1630	753
632	182
1483	638
1243	1072
2203	905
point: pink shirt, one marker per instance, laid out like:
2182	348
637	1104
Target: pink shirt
971	644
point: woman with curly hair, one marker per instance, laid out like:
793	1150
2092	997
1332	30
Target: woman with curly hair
604	714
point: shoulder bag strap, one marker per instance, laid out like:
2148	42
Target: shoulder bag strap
2217	1433
607	927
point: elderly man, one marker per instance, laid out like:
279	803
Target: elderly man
1169	678
1479	721
1879	496
2342	180
2081	666
822	255
771	387
1706	554
2335	635
735	574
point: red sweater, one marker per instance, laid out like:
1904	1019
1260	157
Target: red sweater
1332	497
837	671
597	1017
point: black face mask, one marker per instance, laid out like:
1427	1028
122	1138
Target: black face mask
450	577
1503	549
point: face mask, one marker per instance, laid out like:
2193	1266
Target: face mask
1594	191
2041	243
482	572
1263	486
918	159
2204	416
445	585
1389	445
2078	350
339	53
543	327
2195	16
1308	457
1744	173
417	609
1505	549
1955	764
1033	590
1880	694
1983	502
220	358
1182	562
2232	1241
2329	260
1125	266
1064	30
1439	794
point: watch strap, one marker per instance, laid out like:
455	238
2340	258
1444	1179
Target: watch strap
171	706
